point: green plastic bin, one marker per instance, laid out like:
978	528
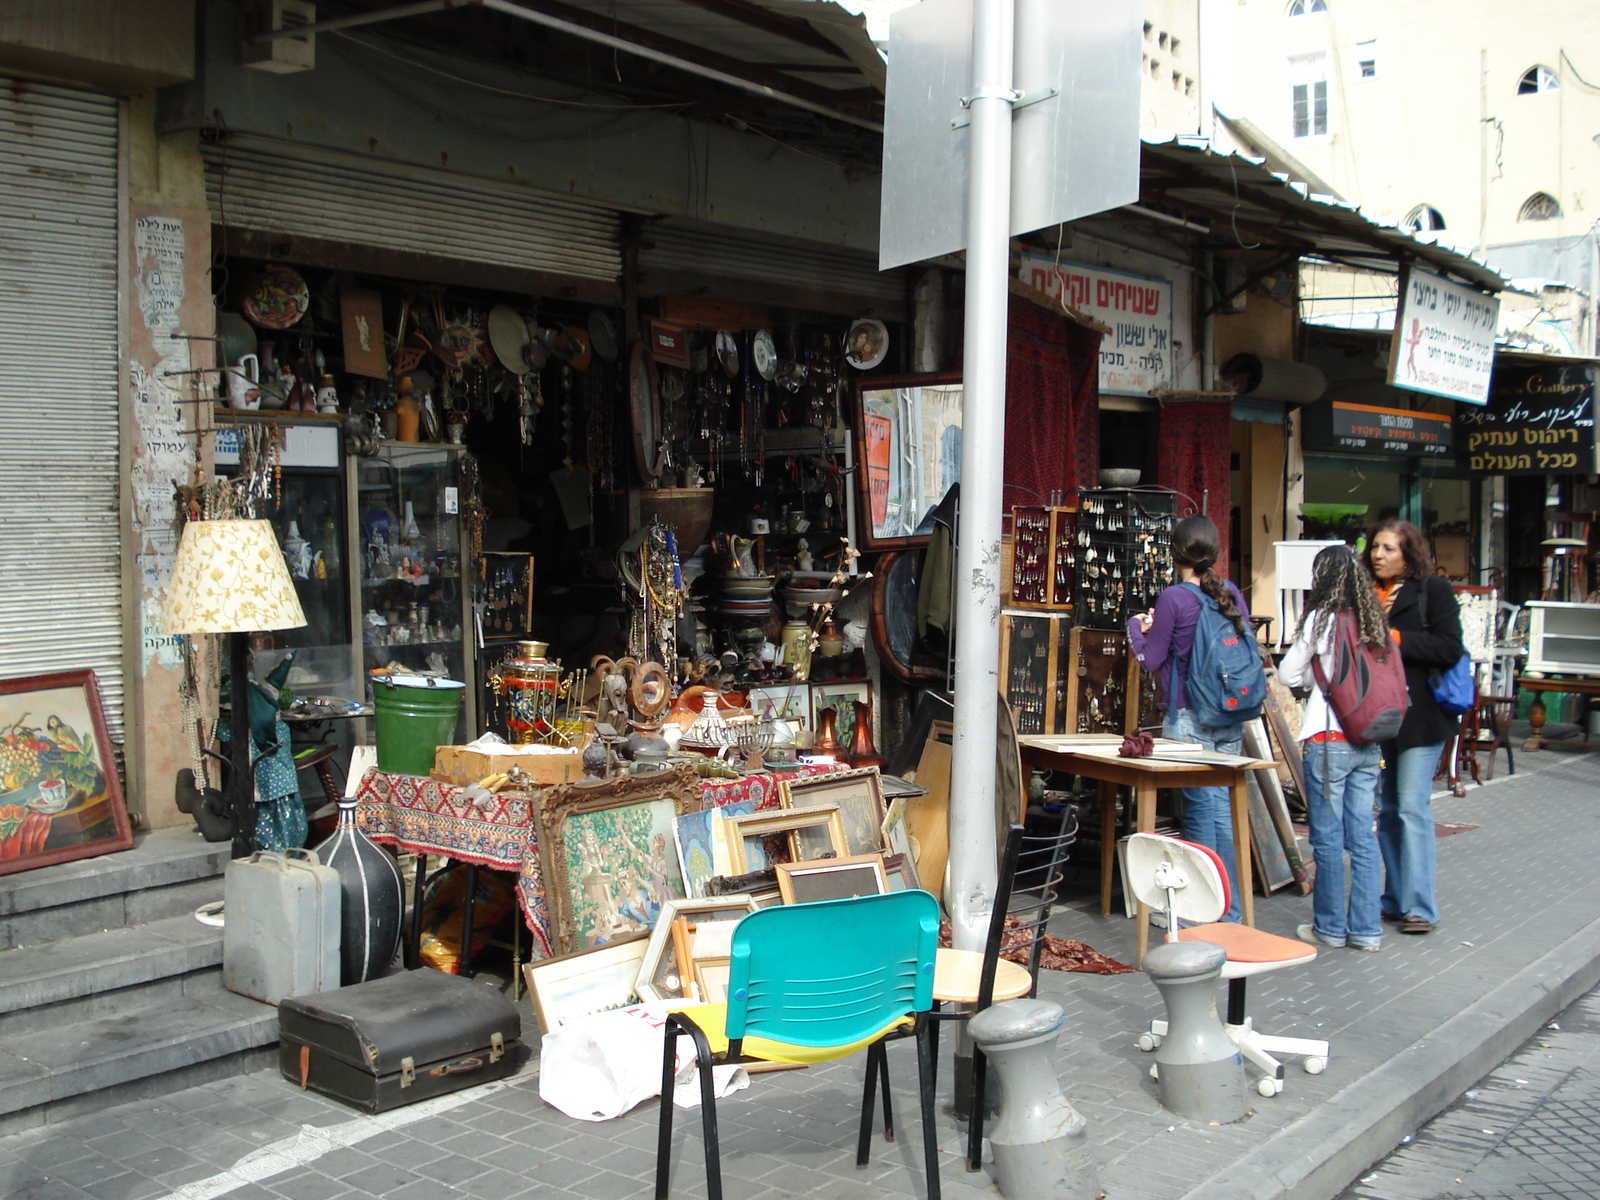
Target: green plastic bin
415	716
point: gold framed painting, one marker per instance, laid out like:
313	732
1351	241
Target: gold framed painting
858	794
812	832
577	985
606	852
832	879
667	969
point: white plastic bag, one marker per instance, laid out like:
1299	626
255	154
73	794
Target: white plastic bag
599	1067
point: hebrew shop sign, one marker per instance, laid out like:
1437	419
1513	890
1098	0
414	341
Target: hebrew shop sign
1136	356
1539	421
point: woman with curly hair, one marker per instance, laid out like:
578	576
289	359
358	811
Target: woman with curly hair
1162	640
1426	624
1341	776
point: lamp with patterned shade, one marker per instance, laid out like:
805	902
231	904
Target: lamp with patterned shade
230	578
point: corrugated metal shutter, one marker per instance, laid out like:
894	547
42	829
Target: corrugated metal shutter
60	541
302	192
731	254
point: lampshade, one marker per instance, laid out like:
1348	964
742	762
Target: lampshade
230	577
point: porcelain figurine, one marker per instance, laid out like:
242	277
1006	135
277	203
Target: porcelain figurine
244	383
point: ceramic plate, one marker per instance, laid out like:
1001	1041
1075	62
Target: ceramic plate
602	335
728	352
764	355
277	297
866	344
508	335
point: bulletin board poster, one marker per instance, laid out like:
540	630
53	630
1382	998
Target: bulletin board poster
1136	356
1443	340
1539	421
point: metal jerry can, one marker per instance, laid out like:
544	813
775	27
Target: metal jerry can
280	935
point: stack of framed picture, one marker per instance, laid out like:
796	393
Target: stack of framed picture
637	923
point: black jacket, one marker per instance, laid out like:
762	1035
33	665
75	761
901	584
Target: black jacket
1424	649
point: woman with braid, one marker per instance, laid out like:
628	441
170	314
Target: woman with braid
1162	640
1341	777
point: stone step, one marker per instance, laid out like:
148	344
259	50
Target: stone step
102	974
169	872
52	1075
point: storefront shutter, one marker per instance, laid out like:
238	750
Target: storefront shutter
60	541
300	191
851	278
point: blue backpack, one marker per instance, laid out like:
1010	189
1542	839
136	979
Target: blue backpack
1226	684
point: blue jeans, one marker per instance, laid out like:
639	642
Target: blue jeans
1341	783
1207	818
1405	831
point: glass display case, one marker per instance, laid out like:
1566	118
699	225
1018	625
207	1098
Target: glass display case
311	525
415	576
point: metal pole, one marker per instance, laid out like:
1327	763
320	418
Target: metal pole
970	896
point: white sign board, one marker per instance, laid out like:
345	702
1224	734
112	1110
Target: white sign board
303	446
1072	154
1443	340
1136	356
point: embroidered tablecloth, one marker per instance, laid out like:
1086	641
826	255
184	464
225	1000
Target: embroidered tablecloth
428	817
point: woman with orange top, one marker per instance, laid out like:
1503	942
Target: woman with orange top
1426	624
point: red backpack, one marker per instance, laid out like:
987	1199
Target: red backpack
1368	689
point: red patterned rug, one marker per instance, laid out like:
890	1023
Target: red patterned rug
1058	954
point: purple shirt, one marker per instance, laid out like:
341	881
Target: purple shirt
1171	638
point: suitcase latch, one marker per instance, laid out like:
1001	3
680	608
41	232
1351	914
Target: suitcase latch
497	1047
408	1072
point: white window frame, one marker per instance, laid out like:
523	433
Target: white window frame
1310	71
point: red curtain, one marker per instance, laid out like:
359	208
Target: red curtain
1052	404
1195	452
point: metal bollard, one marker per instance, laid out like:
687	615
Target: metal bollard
1198	1068
1040	1141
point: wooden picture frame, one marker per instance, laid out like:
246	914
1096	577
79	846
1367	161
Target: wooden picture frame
60	794
832	878
659	974
606	848
578	985
361	322
669	344
790	702
711	977
906	428
741	830
901	872
858	793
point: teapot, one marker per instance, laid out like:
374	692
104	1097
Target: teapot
244	383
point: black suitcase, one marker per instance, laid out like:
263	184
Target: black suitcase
393	1041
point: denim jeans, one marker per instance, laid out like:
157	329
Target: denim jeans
1207	818
1405	831
1342	782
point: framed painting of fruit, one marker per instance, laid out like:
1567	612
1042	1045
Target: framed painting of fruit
60	795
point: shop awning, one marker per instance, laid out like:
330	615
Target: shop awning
1241	200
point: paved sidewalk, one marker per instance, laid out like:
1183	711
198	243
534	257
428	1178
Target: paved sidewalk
1412	1027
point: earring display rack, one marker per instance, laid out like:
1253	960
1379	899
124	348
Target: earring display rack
1043	568
1123	553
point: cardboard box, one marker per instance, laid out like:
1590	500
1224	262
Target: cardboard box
462	765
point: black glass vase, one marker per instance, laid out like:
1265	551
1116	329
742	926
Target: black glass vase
372	908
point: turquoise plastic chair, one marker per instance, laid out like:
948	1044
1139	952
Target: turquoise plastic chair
821	980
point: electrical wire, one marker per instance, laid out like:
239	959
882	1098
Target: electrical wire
489	87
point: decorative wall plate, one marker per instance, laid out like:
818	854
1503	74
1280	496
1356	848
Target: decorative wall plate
867	344
644	404
728	352
602	335
508	335
763	354
276	298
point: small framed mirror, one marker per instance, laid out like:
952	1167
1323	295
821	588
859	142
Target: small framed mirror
908	453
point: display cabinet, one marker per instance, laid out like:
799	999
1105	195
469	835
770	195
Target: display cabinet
413	602
1124	553
1563	638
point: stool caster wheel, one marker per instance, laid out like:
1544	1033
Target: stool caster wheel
1316	1065
1269	1087
1149	1041
1155	1072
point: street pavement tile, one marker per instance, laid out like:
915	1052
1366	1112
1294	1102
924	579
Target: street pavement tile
345	1162
558	1172
47	1189
422	1189
474	1143
304	1184
127	1186
492	1183
451	1169
406	1152
377	1179
158	1159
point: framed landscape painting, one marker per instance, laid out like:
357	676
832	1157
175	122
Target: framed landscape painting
60	796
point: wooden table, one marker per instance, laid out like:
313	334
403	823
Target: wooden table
1092	756
1583	685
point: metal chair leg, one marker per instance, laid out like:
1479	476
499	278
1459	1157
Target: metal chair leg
883	1075
664	1125
708	1107
869	1087
977	1109
925	1077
